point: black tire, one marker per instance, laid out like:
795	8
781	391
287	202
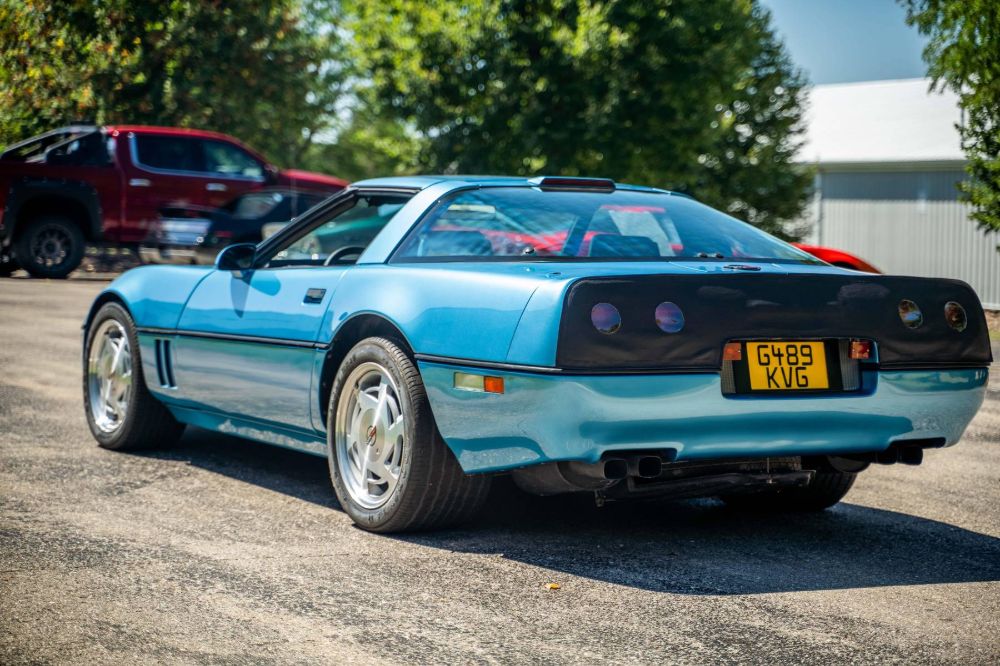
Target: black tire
432	491
146	423
826	489
51	246
7	265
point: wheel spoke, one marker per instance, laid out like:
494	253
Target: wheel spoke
395	431
366	401
381	402
115	360
364	469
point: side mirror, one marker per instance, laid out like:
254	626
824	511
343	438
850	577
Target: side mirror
237	258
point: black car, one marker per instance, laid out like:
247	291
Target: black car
194	234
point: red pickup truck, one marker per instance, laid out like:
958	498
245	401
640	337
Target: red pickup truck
86	184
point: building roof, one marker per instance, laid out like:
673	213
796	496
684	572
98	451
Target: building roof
881	122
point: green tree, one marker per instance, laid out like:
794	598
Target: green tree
694	95
964	55
267	72
364	145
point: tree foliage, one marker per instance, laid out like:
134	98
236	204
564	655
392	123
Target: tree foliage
263	71
695	95
964	54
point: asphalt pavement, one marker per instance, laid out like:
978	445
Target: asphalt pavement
226	551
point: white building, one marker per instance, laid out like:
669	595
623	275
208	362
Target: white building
888	157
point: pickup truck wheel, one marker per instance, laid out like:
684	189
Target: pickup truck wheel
121	412
50	247
7	265
391	470
826	489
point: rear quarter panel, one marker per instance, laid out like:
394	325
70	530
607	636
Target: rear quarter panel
455	310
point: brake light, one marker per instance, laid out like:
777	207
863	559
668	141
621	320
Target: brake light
910	314
861	350
733	351
606	318
571	183
955	315
669	317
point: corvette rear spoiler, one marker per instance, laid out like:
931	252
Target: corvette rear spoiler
718	308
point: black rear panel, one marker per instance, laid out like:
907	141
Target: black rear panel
722	307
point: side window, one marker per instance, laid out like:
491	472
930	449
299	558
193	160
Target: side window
303	202
171	153
258	204
229	160
341	239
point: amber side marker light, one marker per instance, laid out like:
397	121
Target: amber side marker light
482	383
861	350
733	351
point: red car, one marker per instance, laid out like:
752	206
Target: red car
838	258
88	184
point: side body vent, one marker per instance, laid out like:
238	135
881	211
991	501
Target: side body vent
165	364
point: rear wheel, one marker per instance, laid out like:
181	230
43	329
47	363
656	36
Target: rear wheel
50	247
826	489
390	468
121	412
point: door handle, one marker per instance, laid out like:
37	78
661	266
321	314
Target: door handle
216	187
314	295
139	182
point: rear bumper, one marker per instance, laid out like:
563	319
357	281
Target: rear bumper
543	418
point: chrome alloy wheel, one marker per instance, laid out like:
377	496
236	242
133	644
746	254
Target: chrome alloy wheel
369	434
51	246
109	375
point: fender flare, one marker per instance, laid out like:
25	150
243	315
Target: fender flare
27	190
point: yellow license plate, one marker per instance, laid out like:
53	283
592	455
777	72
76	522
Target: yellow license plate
787	366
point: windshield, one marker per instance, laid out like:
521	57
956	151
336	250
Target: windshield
519	223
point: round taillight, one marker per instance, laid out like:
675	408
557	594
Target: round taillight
669	317
910	314
606	318
954	314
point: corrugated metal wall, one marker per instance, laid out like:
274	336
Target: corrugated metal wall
907	223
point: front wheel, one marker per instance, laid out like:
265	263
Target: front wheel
826	489
390	468
121	412
50	247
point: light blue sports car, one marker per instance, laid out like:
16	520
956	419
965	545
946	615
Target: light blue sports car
428	333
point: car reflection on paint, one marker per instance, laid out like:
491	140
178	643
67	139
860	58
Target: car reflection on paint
195	234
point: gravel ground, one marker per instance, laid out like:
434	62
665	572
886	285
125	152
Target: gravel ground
221	550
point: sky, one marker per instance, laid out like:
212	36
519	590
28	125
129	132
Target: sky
840	41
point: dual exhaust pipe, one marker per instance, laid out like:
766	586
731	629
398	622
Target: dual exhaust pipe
905	452
573	476
616	469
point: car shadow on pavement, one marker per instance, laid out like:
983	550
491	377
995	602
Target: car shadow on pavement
682	547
